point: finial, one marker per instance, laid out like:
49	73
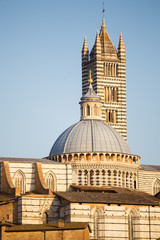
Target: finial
103	10
90	78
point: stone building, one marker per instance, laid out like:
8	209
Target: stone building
90	175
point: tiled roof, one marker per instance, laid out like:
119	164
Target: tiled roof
155	168
26	160
5	198
92	188
120	196
90	94
48	227
158	195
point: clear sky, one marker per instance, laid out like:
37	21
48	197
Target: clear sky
40	70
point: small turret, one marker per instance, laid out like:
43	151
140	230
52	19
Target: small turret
90	103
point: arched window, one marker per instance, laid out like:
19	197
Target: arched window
50	181
115	178
123	179
132	215
130	226
119	179
109	116
81	111
109	177
97	177
19	181
97	219
80	177
103	177
156	186
135	182
127	179
85	177
91	177
88	110
45	218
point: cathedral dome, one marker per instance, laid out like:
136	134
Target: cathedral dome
90	136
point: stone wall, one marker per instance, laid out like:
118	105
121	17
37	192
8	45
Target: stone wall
8	211
32	208
147	181
117	222
25	172
61	234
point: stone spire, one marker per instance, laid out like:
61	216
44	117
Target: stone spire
90	103
85	46
103	23
97	44
121	49
106	42
121	43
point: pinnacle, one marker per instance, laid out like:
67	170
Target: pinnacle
103	22
97	38
85	45
121	43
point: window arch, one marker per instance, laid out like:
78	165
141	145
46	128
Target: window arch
81	111
132	215
88	110
156	186
97	219
50	180
19	181
45	218
80	177
91	177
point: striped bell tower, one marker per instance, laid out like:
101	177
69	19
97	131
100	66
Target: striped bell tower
108	69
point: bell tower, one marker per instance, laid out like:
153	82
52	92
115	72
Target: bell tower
108	69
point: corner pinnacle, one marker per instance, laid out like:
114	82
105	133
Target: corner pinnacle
85	45
121	43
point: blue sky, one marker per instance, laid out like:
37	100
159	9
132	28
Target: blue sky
40	70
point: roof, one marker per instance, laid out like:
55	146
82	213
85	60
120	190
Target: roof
90	94
154	168
6	198
26	160
119	196
90	136
158	195
48	227
106	42
92	188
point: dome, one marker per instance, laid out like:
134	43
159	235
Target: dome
90	136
